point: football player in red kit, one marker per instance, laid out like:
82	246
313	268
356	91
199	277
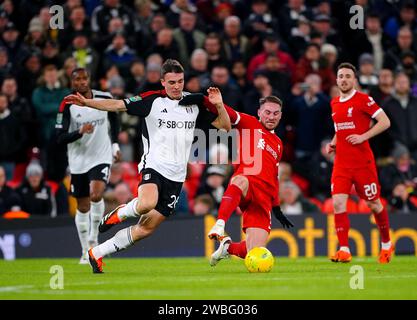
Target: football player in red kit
254	185
354	163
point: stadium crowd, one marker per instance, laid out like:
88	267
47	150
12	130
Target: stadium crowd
247	48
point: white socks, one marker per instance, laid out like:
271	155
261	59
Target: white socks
97	212
82	221
120	241
345	249
386	245
128	211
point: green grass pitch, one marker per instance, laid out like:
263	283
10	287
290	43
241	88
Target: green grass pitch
193	278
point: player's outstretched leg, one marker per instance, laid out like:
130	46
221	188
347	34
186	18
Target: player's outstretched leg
118	215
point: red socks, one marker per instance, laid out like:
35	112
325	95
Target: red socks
342	225
238	249
230	201
382	222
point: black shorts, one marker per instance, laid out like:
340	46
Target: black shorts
168	190
80	183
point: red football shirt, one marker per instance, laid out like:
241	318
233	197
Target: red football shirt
353	115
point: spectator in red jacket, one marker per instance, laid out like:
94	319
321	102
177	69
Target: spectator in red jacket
271	46
312	62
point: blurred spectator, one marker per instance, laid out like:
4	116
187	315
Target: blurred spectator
192	83
153	78
50	54
310	115
116	25
136	77
28	75
403	169
409	67
12	138
122	193
199	66
36	195
271	46
158	22
312	62
404	44
10	40
213	47
23	111
320	172
401	201
261	88
203	205
406	17
292	200
46	99
5	65
372	40
9	199
102	15
236	45
76	23
384	88
175	9
290	13
64	74
166	46
213	184
84	55
330	54
401	108
220	77
366	75
280	81
36	36
299	38
187	37
239	76
119	54
322	25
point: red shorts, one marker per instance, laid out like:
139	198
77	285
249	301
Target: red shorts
257	205
364	179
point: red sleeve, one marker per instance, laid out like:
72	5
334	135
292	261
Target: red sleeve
370	107
233	115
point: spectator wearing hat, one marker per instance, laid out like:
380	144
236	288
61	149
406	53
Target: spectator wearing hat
330	54
366	75
401	108
403	44
271	45
36	35
9	199
402	169
76	22
10	40
175	9
35	194
12	138
213	184
187	37
312	62
409	67
322	24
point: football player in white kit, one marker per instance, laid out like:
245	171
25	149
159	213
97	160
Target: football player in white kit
91	138
167	135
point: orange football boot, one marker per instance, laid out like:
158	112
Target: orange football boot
96	264
385	255
110	219
341	256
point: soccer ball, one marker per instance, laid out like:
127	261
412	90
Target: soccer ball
259	259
